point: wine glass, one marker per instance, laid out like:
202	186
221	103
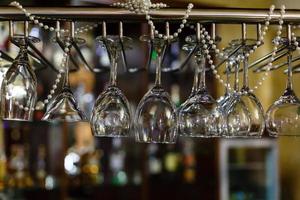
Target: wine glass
283	117
155	117
252	103
111	115
189	47
18	89
198	117
237	116
64	106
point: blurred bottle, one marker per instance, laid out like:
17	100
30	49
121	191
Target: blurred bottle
117	163
19	176
91	169
172	168
155	164
41	172
189	161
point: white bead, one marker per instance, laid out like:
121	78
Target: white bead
181	26
54	86
36	21
26	108
52	91
272	7
179	30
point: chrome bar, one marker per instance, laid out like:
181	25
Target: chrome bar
110	13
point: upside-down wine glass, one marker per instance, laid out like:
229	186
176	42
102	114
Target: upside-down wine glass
18	89
64	106
253	105
111	115
236	114
198	116
283	117
155	117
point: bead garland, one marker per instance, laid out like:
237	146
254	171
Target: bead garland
221	54
145	6
139	6
35	20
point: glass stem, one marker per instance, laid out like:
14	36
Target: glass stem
236	77
158	70
245	74
113	70
67	83
227	77
290	72
201	62
196	80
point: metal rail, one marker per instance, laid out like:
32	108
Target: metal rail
115	14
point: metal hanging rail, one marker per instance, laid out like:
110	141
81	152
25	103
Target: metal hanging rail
110	13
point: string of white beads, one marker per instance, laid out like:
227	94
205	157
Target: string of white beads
35	20
240	59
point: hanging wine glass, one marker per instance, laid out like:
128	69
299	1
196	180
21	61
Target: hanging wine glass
155	117
64	106
198	116
224	100
253	105
237	115
283	117
111	115
18	89
189	47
